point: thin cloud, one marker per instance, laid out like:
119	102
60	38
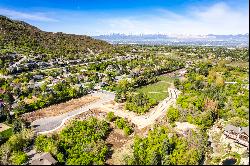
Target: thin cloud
27	16
217	19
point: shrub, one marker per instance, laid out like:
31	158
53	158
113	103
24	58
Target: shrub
127	130
121	123
19	158
46	144
110	116
172	114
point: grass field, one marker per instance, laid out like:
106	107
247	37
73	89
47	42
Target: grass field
159	90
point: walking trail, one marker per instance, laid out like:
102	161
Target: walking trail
142	121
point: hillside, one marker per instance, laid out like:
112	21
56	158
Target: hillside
22	36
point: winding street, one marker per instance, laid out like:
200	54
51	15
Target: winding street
50	124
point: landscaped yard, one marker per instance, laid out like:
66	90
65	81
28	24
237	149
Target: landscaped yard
5	132
159	90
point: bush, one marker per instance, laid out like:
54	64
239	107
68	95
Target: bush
163	147
46	144
18	158
121	123
127	130
172	114
139	103
80	143
110	116
12	150
60	157
238	122
5	135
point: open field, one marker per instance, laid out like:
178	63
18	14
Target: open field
59	109
159	90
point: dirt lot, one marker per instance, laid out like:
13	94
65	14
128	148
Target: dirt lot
59	109
3	127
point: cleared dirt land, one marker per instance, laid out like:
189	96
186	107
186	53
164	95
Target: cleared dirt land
59	109
3	127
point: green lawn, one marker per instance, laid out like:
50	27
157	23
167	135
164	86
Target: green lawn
158	90
5	135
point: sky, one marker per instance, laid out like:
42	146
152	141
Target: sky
96	17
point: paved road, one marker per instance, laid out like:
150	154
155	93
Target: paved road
50	124
47	125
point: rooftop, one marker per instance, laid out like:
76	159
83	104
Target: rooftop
43	159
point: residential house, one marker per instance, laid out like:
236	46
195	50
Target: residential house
43	159
239	134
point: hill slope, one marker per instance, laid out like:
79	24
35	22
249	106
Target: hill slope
20	35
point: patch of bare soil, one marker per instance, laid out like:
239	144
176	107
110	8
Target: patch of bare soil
96	113
119	154
117	142
117	138
3	127
121	145
59	109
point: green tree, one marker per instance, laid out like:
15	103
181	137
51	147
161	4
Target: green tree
172	114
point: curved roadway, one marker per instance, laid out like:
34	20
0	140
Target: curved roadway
50	124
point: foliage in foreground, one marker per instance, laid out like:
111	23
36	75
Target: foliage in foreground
121	123
11	152
163	147
81	143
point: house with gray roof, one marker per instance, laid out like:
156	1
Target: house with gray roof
239	134
43	159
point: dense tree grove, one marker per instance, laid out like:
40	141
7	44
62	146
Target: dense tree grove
12	152
61	92
80	143
139	103
164	147
207	97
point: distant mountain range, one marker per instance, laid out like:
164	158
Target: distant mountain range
240	40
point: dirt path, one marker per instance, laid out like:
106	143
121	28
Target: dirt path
142	121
